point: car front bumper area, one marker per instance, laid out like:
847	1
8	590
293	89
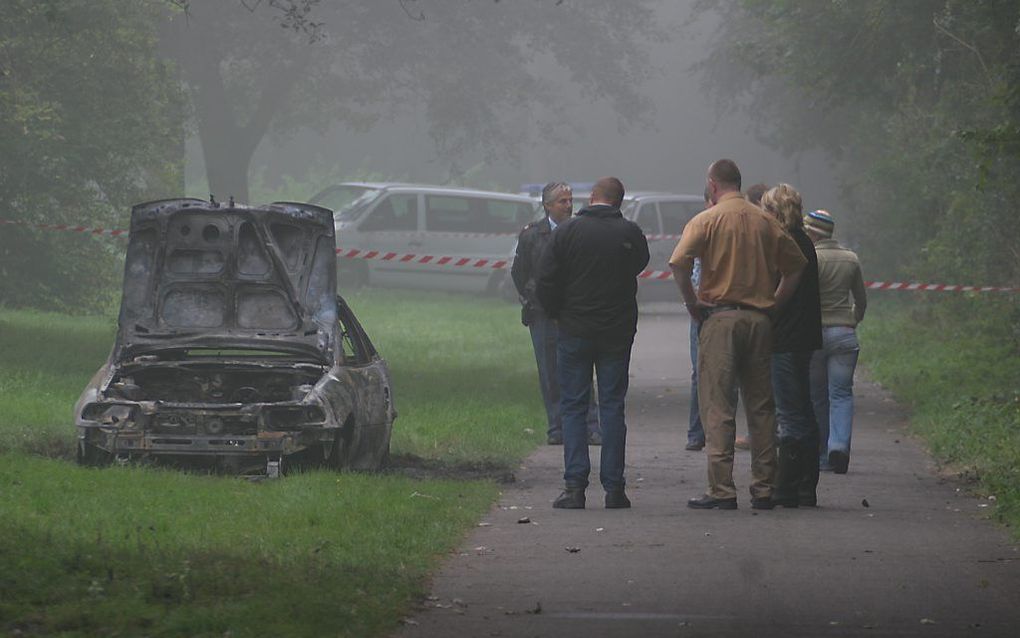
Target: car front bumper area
181	430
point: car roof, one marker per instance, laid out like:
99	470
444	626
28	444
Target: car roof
433	189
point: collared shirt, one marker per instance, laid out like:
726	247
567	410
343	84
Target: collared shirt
743	252
841	283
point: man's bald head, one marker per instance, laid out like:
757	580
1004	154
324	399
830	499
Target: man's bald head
607	190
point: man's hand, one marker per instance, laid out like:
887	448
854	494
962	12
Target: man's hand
682	276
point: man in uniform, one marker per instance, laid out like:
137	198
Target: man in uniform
557	200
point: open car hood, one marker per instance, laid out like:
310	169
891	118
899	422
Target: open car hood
201	275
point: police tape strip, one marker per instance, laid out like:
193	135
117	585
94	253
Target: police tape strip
354	253
105	232
895	285
500	264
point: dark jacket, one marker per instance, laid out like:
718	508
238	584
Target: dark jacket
798	326
530	243
587	274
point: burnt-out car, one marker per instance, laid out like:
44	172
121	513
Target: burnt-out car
233	349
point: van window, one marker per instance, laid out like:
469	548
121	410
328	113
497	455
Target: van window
675	215
396	212
455	214
508	217
647	219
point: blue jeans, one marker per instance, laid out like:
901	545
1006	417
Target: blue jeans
832	387
544	337
576	358
791	387
695	430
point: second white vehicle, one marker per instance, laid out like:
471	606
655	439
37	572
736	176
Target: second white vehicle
471	227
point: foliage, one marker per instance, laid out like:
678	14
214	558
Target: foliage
90	123
918	103
960	372
476	69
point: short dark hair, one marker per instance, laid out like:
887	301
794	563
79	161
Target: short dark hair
754	193
725	173
608	189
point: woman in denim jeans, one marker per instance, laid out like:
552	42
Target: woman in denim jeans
832	368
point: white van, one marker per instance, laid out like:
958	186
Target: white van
399	225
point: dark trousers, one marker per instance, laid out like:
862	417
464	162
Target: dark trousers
544	340
610	360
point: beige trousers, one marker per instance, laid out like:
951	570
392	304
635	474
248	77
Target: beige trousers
735	348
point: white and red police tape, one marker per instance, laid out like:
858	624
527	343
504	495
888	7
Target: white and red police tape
500	264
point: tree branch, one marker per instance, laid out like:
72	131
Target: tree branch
970	47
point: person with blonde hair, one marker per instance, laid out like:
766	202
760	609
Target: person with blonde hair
796	334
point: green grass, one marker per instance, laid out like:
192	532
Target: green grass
957	364
148	551
464	375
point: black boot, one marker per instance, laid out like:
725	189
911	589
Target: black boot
807	493
788	475
572	498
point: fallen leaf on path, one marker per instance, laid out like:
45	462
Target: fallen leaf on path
865	503
572	549
523	520
927	621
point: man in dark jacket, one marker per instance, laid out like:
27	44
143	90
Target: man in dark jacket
587	282
557	199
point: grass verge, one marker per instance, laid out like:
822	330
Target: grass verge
135	550
956	363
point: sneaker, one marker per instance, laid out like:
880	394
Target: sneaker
706	502
595	438
695	446
570	499
616	500
742	443
555	438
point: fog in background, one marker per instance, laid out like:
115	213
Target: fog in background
670	153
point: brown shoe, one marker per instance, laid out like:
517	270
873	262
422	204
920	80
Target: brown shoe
742	443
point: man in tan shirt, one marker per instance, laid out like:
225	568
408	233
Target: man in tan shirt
743	253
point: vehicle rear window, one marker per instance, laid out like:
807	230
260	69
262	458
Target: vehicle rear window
675	215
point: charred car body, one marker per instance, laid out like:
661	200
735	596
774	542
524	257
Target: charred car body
233	348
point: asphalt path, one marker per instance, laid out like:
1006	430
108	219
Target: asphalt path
892	550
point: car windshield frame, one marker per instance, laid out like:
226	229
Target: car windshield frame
353	211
